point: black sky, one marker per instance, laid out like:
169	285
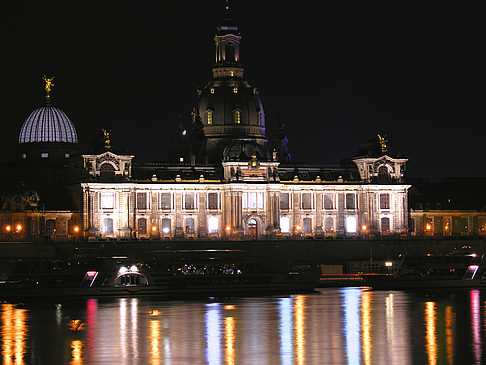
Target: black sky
337	72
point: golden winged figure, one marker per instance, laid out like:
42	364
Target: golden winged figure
49	84
383	142
106	133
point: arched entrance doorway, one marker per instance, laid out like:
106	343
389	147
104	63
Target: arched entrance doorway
252	229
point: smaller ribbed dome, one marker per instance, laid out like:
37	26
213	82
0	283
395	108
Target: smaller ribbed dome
48	124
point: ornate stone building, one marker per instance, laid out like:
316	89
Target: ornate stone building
243	188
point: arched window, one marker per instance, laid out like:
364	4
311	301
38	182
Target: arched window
166	226
385	224
285	224
237	116
383	175
209	116
190	225
307	225
107	226
142	226
329	224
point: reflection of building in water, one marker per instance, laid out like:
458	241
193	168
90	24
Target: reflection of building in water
13	334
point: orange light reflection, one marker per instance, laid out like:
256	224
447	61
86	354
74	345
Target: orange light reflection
76	352
229	335
299	329
449	332
430	324
155	342
13	334
366	326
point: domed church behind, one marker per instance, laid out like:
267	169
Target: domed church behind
224	178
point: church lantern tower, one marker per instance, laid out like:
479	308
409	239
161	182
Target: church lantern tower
228	106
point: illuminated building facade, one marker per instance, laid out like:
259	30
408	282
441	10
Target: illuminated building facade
232	183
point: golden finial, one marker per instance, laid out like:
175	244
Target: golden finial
383	142
106	133
48	86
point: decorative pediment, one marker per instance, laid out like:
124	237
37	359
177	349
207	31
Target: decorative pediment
108	162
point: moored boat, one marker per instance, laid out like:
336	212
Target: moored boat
433	271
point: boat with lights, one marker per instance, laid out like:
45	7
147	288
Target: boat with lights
433	272
165	274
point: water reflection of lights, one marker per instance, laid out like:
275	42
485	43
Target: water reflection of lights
366	326
476	324
229	335
389	318
351	324
430	334
299	329
449	332
229	307
213	340
285	309
154	341
76	352
13	334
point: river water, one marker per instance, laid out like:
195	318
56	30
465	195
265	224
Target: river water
333	326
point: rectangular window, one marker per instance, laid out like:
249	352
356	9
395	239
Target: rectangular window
306	200
107	226
350	201
142	226
328	201
189	201
252	200
165	201
212	200
107	200
44	155
351	224
284	201
141	200
260	200
244	200
385	201
213	224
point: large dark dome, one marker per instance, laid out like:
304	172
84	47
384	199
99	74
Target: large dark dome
48	124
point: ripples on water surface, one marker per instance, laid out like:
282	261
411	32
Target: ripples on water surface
335	326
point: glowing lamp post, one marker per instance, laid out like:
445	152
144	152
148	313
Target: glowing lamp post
228	230
364	229
389	266
298	230
18	228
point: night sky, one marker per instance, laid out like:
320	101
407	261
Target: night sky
337	73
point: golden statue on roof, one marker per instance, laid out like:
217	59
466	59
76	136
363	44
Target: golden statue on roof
383	142
49	84
106	133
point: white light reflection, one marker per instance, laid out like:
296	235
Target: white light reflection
213	334
285	309
352	298
123	325
476	325
134	329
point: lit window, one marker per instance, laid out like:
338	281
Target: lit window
259	118
285	224
307	225
107	200
328	201
107	226
141	200
44	155
189	201
212	90
190	225
252	200
284	201
235	90
212	200
231	73
142	226
350	201
209	117
329	224
181	159
213	224
260	200
237	117
351	224
385	224
385	201
67	155
165	225
23	155
165	201
244	200
306	201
